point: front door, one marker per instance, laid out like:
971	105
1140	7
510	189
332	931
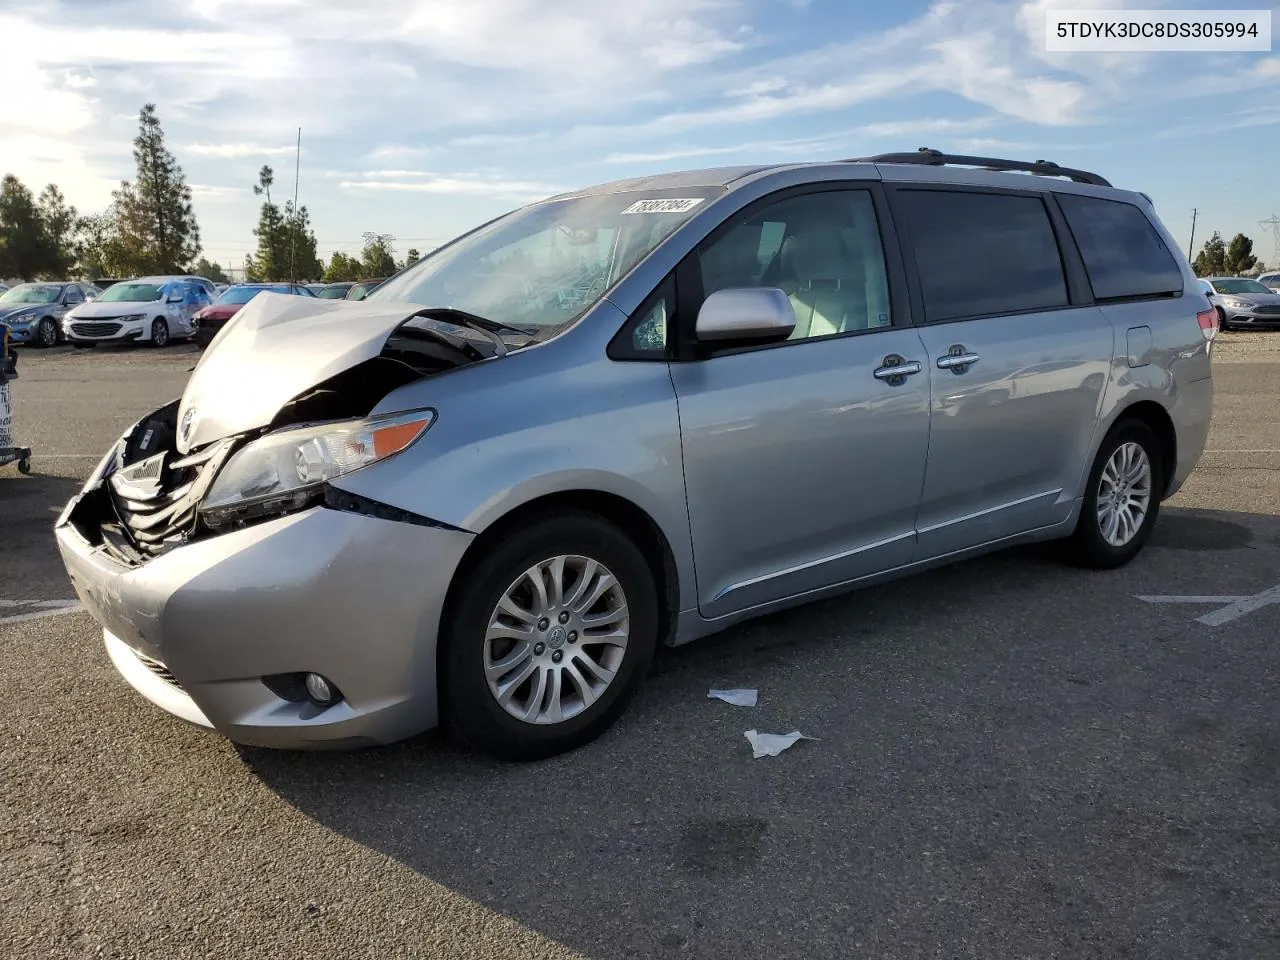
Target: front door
1018	366
803	460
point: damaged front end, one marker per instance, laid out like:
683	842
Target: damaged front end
150	496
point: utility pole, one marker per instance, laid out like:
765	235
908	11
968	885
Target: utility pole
1191	250
293	233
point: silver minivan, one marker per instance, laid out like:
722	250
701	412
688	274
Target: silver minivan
635	415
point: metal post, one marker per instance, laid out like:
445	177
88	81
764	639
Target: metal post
1191	252
293	234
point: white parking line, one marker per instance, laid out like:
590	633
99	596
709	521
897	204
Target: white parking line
1230	608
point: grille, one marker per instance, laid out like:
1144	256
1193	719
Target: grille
156	499
159	669
104	329
1269	310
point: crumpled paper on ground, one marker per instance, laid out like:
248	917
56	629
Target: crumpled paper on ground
739	698
772	744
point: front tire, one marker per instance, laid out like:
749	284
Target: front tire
159	333
47	333
1223	326
549	639
1122	499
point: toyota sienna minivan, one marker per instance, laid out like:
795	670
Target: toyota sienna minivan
634	415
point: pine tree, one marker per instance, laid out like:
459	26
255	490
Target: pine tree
58	224
156	220
23	250
271	260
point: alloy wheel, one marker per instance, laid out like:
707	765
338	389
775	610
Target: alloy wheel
1124	494
556	639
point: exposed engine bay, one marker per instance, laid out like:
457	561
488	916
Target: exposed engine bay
147	500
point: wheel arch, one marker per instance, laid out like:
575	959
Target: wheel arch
1157	418
626	515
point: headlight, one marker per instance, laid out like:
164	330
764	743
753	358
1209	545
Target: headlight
1236	304
130	318
290	462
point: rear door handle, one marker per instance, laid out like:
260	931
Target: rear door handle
959	362
896	369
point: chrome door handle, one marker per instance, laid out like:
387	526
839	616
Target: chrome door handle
959	362
896	369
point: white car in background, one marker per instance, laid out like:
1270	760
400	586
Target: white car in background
151	310
1271	281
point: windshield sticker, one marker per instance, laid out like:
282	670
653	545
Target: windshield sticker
664	206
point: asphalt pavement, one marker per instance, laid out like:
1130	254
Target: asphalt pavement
1014	758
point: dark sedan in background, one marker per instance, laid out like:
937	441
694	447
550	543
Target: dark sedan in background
211	319
34	311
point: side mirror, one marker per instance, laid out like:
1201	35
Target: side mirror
745	313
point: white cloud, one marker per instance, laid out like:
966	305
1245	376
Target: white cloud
458	186
236	151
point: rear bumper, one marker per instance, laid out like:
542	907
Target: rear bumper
1192	412
355	598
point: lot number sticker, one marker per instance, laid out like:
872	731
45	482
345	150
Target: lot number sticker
675	205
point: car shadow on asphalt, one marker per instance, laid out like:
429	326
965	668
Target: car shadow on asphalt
1013	754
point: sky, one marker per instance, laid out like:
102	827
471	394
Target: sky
423	118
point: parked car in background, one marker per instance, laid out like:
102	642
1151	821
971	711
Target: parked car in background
334	291
209	286
153	310
212	318
1271	281
4	287
360	520
34	311
1242	302
362	289
102	283
315	288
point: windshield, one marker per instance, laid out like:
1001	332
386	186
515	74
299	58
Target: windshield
32	293
333	293
544	265
1239	286
245	294
131	293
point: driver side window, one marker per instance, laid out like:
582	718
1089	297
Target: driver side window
821	249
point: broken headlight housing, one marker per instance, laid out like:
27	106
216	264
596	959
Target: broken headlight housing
284	469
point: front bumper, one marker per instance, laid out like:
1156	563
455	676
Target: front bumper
104	331
1251	318
355	598
23	334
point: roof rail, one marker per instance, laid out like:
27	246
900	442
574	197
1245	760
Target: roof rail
936	158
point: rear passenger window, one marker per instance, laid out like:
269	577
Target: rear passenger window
1123	254
982	254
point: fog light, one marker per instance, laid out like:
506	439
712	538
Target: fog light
319	689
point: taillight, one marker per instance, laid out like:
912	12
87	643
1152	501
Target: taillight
1208	320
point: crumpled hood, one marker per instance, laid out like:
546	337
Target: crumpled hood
119	308
272	350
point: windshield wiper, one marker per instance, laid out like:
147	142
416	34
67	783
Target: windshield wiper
491	328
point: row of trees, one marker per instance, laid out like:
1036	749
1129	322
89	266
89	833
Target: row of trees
1217	258
150	228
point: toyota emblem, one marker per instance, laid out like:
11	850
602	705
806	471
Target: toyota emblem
188	419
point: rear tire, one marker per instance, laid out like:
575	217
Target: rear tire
159	333
1090	546
474	641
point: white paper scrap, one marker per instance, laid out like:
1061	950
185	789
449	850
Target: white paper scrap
739	698
772	744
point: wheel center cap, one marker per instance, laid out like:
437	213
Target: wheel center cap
556	638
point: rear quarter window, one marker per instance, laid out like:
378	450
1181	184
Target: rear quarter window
1123	253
